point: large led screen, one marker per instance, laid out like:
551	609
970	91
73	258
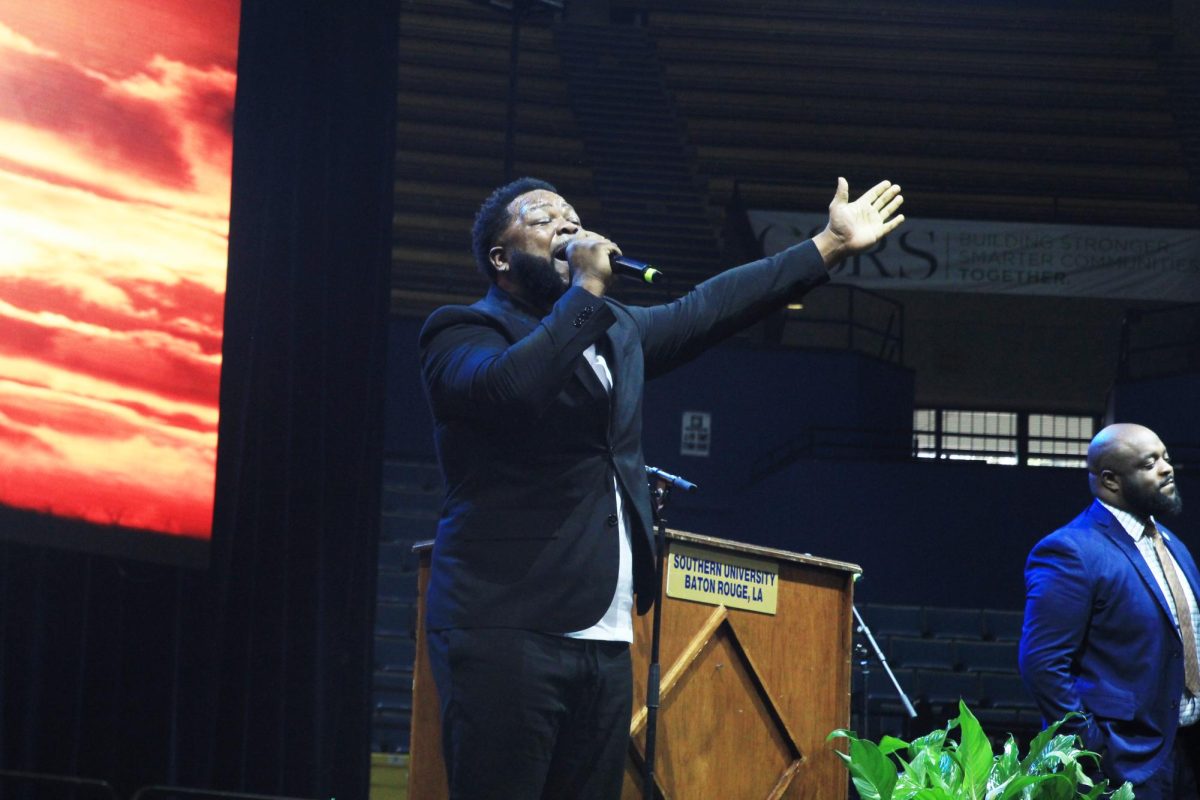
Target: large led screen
115	148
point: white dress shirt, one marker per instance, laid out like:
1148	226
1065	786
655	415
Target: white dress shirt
617	623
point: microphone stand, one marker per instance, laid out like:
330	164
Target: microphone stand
865	667
660	490
864	690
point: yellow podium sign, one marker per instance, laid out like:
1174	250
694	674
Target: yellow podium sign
721	578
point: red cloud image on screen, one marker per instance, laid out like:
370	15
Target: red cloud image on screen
115	149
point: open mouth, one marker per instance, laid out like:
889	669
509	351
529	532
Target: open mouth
559	257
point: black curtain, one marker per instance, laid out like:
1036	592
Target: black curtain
253	675
298	476
95	655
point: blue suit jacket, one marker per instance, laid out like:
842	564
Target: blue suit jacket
530	443
1099	638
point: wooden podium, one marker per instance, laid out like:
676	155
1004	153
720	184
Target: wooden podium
747	697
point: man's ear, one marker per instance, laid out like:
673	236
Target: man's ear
499	258
1110	480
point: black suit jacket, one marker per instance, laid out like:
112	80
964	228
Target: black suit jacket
530	442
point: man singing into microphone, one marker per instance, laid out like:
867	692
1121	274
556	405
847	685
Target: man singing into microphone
545	534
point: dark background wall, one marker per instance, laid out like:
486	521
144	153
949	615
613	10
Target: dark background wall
1006	352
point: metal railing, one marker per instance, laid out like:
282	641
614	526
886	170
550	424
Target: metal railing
46	786
1029	438
1042	447
208	794
863	444
850	318
35	785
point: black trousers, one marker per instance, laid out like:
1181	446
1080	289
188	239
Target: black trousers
532	716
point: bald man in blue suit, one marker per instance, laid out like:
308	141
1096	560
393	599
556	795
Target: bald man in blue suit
1110	611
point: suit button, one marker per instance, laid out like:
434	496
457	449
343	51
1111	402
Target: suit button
582	317
612	520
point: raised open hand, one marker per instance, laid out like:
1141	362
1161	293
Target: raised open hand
853	227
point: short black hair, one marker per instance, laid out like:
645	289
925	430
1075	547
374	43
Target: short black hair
492	218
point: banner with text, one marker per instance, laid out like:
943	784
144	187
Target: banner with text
1010	258
722	579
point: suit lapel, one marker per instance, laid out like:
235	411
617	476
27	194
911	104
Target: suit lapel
614	360
586	375
1107	524
607	349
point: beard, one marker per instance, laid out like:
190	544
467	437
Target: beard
540	282
1149	501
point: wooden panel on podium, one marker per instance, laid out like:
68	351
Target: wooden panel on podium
747	698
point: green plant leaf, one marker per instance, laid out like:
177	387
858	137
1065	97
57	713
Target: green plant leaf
1038	745
1057	787
1058	752
932	740
1124	793
913	776
1018	785
996	789
873	773
841	733
1081	777
923	767
1006	766
1042	740
974	754
950	768
940	768
933	793
931	763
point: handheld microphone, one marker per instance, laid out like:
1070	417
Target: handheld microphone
638	270
675	481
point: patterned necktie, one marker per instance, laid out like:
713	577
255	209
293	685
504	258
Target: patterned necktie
1191	665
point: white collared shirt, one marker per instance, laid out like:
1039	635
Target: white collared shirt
617	623
1189	707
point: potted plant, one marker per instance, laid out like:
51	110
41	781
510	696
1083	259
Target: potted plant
936	767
